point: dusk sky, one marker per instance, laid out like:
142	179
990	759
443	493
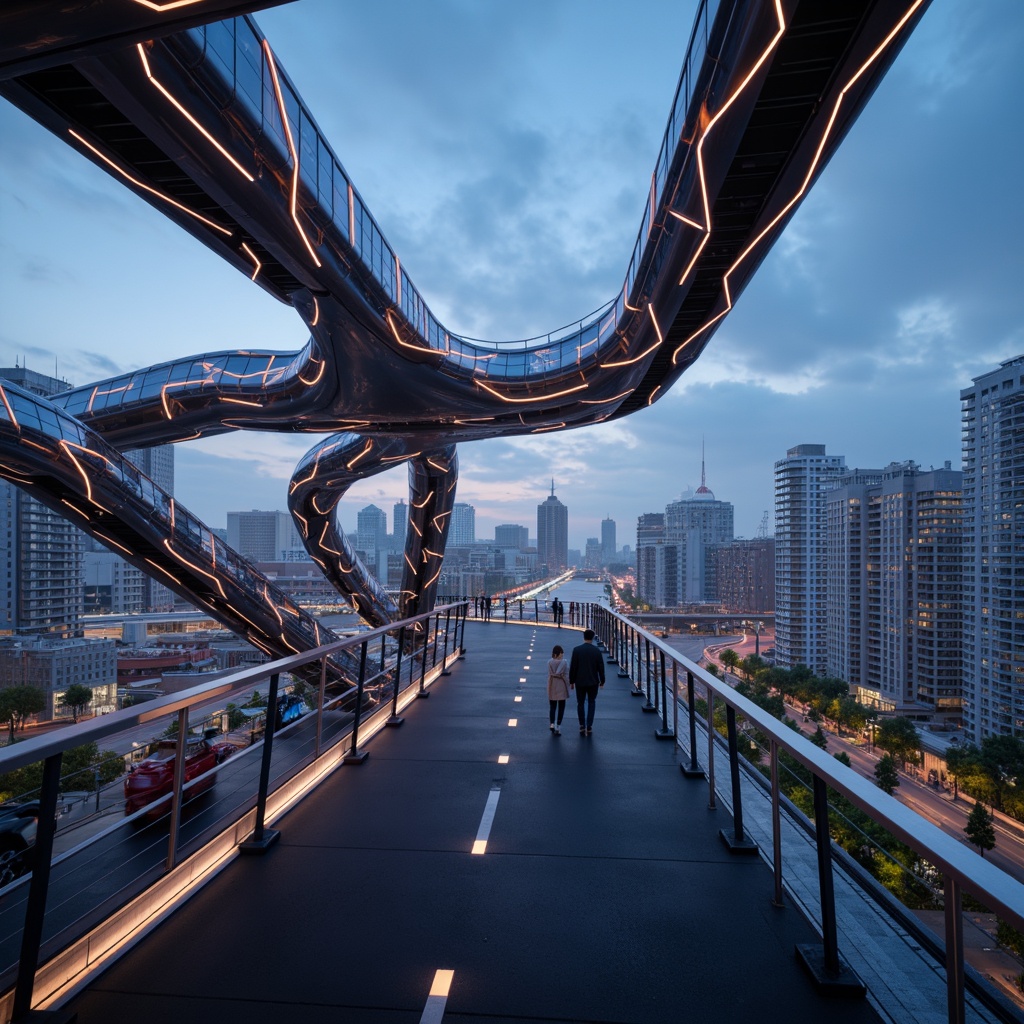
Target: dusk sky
505	148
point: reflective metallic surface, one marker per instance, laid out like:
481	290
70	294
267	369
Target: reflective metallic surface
767	90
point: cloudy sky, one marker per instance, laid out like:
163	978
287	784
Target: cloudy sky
505	147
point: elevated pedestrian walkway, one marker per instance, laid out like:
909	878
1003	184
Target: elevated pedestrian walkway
603	892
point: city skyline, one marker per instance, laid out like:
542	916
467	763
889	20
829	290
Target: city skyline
859	331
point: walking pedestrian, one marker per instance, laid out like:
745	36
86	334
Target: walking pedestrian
558	690
586	674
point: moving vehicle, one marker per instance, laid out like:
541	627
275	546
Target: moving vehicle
153	778
18	824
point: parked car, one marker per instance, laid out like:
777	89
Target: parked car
154	778
18	824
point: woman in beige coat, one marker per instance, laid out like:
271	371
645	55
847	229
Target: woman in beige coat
558	689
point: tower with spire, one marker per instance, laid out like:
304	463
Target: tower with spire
553	533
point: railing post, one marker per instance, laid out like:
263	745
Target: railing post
776	825
177	786
320	707
263	838
396	718
445	671
634	663
737	842
621	647
823	963
437	629
954	950
423	691
536	611
665	733
35	906
711	748
355	755
648	706
693	769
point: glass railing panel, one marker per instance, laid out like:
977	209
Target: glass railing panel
325	176
307	144
248	67
220	47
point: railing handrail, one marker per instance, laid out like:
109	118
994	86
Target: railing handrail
978	876
38	748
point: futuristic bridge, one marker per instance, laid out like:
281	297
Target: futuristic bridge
206	126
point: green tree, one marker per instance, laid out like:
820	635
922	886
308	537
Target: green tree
76	697
979	828
899	737
819	739
887	774
730	659
1002	762
17	703
962	762
79	769
843	758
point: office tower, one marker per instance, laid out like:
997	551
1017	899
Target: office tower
593	554
650	537
802	480
399	525
744	574
993	565
692	526
371	529
511	535
463	528
894	549
44	589
553	533
609	552
263	536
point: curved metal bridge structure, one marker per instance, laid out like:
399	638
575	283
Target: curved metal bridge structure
199	119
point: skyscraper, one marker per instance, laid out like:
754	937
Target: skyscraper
802	479
553	533
650	537
158	464
511	535
609	552
44	590
463	528
993	565
372	539
263	536
399	524
894	589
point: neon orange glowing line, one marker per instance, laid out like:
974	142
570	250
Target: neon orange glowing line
419	532
242	401
647	351
543	430
405	344
605	401
66	445
538	398
441	515
195	568
293	205
401	458
10	411
169	6
171	576
686	220
320	373
433	554
650	400
408	563
434	577
475	359
362	455
423	504
324	546
273	606
706	228
625	300
110	540
398	280
440	469
33	444
171	509
316	313
305	523
254	258
148	188
178	106
74	508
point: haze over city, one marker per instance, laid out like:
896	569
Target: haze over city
511	183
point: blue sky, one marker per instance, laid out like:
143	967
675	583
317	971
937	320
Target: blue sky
505	149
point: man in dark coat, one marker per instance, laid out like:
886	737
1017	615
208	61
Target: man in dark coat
586	674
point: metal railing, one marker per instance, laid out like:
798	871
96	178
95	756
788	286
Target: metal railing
48	913
668	681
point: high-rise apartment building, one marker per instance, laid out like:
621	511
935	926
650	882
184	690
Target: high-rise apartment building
744	574
511	535
802	479
553	533
43	589
650	538
263	536
893	598
993	565
158	464
463	528
399	525
694	525
609	552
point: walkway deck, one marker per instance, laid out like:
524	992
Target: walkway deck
604	895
